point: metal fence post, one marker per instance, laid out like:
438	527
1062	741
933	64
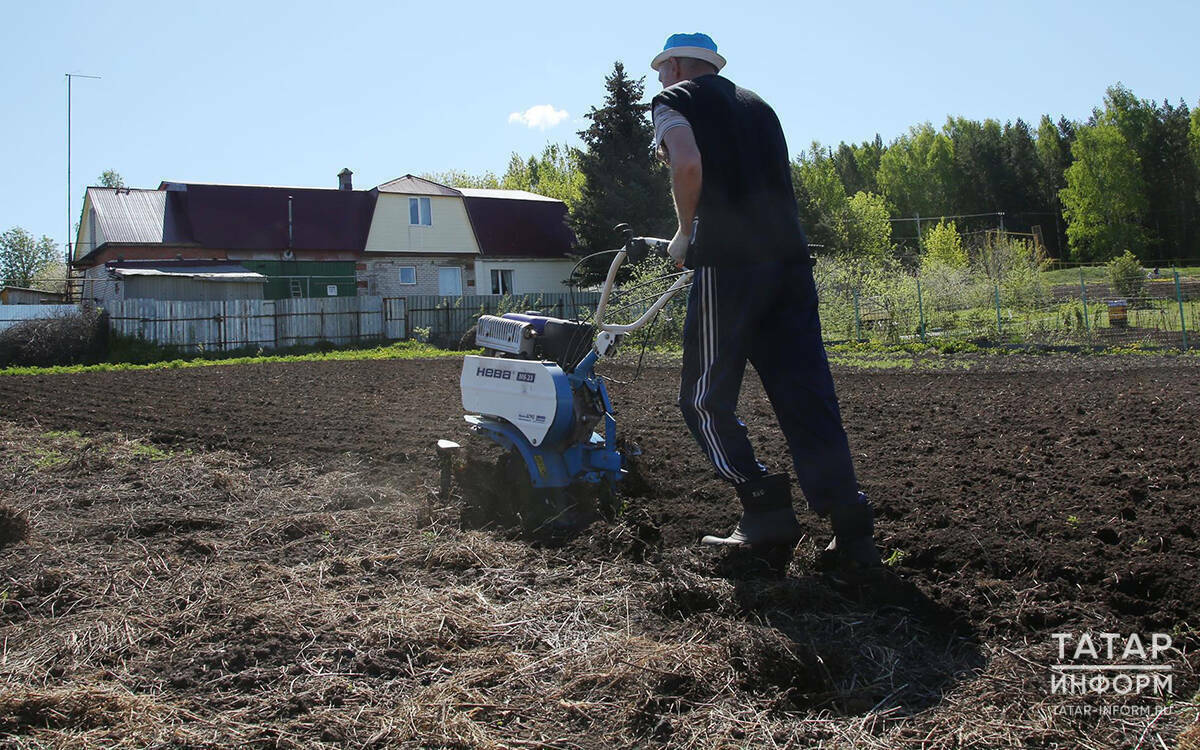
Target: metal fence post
921	310
1087	321
857	320
1179	299
999	328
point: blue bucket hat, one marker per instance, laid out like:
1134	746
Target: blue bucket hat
699	46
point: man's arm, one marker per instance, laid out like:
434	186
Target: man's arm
687	176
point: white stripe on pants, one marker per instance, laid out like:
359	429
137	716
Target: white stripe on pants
706	317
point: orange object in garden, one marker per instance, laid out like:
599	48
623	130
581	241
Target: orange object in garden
1117	311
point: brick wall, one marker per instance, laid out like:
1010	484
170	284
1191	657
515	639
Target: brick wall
381	276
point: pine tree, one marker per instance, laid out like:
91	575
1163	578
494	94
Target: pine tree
1054	156
623	181
1019	194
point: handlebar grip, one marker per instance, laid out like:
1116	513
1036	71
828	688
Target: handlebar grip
639	247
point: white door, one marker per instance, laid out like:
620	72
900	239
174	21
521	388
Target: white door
450	281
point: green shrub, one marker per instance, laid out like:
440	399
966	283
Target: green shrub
1127	276
646	283
885	293
140	351
943	247
1070	316
1014	266
981	323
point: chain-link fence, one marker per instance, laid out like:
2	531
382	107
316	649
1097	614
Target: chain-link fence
949	304
986	302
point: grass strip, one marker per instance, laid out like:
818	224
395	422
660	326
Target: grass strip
399	350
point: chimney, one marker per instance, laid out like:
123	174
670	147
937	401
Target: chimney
344	179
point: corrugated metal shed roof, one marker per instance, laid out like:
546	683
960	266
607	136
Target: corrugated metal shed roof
131	215
410	185
229	272
521	195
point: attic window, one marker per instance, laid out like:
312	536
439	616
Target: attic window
419	212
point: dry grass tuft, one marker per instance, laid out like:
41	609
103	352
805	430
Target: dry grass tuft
1189	739
81	708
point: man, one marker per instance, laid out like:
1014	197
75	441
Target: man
752	298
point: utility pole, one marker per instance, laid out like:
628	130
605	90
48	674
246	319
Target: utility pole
68	244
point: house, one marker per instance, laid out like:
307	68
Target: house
429	239
421	241
304	241
18	295
409	236
523	241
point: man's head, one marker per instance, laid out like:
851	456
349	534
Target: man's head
686	56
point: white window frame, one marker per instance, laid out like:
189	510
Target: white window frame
400	275
496	276
424	208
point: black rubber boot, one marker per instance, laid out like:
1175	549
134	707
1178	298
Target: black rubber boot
768	519
853	544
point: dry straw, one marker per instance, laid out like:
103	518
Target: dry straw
202	600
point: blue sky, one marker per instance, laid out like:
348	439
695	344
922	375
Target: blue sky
290	93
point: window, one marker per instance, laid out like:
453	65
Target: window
502	281
450	281
419	212
408	274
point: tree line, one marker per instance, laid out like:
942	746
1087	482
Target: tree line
1126	179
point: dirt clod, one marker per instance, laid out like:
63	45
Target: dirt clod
14	526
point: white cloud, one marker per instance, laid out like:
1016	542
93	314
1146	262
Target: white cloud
540	116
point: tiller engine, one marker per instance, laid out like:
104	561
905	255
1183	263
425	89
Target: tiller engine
536	394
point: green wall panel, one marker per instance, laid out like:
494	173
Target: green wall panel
314	277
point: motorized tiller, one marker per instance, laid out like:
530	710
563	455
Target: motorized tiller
536	394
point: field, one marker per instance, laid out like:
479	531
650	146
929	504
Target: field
254	555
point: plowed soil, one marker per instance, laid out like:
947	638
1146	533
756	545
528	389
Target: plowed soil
1014	501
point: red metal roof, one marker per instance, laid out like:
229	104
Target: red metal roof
246	217
520	227
507	223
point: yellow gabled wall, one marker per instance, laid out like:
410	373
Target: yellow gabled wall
85	242
450	233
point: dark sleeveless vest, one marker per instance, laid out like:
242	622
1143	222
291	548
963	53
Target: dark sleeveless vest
747	211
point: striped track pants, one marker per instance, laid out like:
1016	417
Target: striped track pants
765	314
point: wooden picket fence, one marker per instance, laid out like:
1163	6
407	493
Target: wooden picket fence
446	319
223	325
